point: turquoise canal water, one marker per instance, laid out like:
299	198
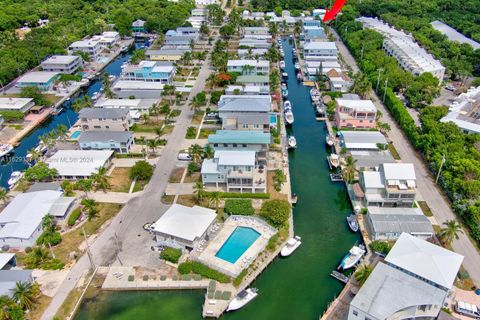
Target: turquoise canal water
297	287
238	242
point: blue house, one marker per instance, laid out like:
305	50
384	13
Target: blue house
138	26
239	140
150	71
44	80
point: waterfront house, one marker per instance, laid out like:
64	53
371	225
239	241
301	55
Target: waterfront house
92	47
393	185
237	171
150	71
136	107
318	13
79	164
104	119
247	90
245	112
325	67
108	38
413	282
319	50
312	34
370	159
10	278
183	227
249	67
239	140
118	141
251	53
251	31
21	220
355	113
127	89
22	105
180	41
254	80
465	111
362	140
387	224
138	26
43	80
249	43
62	64
339	81
198	17
165	54
311	22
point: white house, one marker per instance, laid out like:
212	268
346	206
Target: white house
412	283
182	227
248	112
92	47
249	66
16	104
62	64
320	50
361	140
126	89
465	111
79	164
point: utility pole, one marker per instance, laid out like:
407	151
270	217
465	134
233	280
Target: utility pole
378	79
385	91
440	169
88	249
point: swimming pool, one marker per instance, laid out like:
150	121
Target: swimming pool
273	120
75	134
239	241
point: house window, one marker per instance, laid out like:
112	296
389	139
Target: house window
234	145
244	145
256	126
355	312
225	145
215	145
245	126
97	127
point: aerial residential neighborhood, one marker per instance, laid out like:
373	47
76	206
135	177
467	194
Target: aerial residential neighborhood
239	159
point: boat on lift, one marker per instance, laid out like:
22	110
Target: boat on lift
291	245
287	105
297	66
292	142
284	93
283	85
14	178
330	140
299	76
96	95
336	177
242	298
285	75
352	222
333	160
352	257
282	64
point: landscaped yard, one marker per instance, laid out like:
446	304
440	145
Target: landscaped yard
205	132
271	189
197	117
149	126
186	200
176	175
393	151
40	305
120	179
192	178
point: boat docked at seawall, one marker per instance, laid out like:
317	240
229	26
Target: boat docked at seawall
14	178
330	140
284	75
289	116
352	222
292	142
292	245
333	160
297	66
242	298
299	77
284	93
352	257
282	64
287	105
315	95
5	149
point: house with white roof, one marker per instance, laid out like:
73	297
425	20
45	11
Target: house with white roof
253	43
92	47
79	164
16	104
247	112
362	140
247	67
21	220
128	89
247	90
104	119
237	171
259	33
62	64
413	282
183	227
9	279
320	51
465	111
454	35
138	26
387	224
393	185
355	113
118	141
43	80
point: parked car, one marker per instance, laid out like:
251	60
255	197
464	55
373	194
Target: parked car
184	156
467	309
211	116
450	88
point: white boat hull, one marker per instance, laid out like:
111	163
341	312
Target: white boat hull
292	142
286	251
238	303
289	117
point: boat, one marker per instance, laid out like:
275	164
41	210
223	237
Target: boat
352	257
84	82
124	49
282	64
297	66
284	93
14	178
292	245
283	85
292	142
339	276
57	111
320	110
315	95
294	198
242	298
289	117
336	177
290	37
112	77
333	160
352	222
299	76
285	75
96	95
5	149
287	105
330	141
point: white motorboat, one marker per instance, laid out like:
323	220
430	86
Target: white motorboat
330	140
242	298
289	117
334	160
292	142
14	178
290	36
287	105
352	257
352	222
297	66
96	95
282	64
299	77
112	77
283	86
284	93
292	245
5	149
285	75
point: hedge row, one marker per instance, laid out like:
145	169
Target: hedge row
245	195
203	270
171	254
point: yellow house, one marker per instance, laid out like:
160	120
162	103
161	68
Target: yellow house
164	55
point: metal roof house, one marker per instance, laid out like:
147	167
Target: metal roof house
254	80
118	141
43	80
126	89
465	111
249	66
361	140
355	113
138	26
62	64
149	71
20	221
413	282
389	223
9	279
257	141
104	119
79	164
182	227
250	112
16	104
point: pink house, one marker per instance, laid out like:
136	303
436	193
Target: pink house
355	113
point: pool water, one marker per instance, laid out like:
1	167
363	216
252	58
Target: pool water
239	241
273	120
75	134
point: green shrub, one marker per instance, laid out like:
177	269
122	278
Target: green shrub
276	212
73	217
131	277
186	277
141	170
191	133
28	250
245	195
203	270
171	254
272	242
239	206
145	277
52	238
238	280
10	115
380	246
197	277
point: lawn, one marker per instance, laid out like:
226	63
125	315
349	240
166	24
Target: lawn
425	208
176	175
193	178
146	127
271	189
120	179
393	151
69	303
205	132
72	240
187	200
168	199
197	117
41	304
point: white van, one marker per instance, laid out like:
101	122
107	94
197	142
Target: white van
184	156
467	309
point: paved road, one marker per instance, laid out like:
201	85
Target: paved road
427	189
125	230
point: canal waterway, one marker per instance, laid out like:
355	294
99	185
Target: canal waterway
297	287
16	160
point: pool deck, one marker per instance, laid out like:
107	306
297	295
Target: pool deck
208	255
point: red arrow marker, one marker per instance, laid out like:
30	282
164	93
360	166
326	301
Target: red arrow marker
337	6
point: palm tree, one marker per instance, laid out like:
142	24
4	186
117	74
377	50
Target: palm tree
6	305
214	198
349	170
23	295
34	155
90	208
100	179
363	273
160	132
247	69
187	58
85	184
208	152
40	254
199	191
361	84
107	86
196	153
450	232
153	144
48	223
141	141
4	195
